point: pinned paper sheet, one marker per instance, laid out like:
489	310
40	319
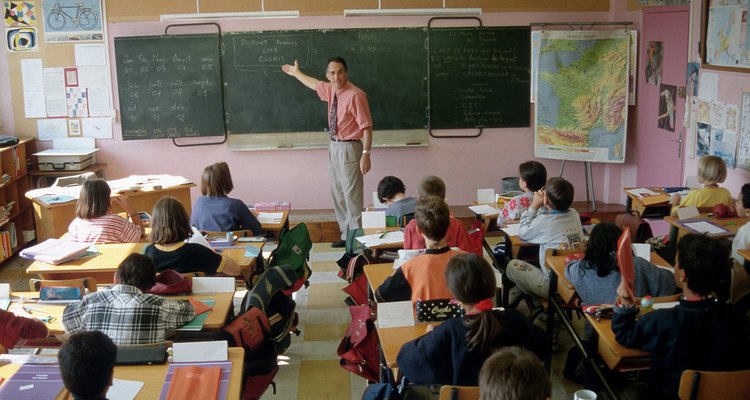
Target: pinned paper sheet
642	250
373	219
486	196
688	212
395	314
205	284
199	351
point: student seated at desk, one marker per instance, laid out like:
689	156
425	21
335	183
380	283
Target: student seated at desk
456	236
741	241
531	177
513	373
170	228
214	211
711	172
95	224
453	352
703	332
124	312
423	277
597	275
87	365
392	192
561	227
14	327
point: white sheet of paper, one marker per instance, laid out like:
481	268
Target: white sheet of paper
486	196
34	105
373	219
376	201
100	104
640	192
513	229
484	210
708	86
55	128
206	284
54	92
375	239
198	238
4	290
200	351
688	212
32	78
98	128
704	227
405	255
395	313
91	54
124	390
270	217
668	304
642	250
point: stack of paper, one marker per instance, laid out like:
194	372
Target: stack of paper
270	217
378	239
55	251
485	210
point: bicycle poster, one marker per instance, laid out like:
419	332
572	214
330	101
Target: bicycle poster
72	21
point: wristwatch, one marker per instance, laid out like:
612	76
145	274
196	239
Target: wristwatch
365	151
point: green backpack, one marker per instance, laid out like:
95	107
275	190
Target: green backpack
293	250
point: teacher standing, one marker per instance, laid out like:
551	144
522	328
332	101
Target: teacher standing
350	130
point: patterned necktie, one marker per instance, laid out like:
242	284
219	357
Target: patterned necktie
333	118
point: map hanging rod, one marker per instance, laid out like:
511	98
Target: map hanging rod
580	25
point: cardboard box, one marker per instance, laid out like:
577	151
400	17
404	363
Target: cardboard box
66	159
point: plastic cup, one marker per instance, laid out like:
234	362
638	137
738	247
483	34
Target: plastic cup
584	394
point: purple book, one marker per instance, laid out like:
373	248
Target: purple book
226	372
33	382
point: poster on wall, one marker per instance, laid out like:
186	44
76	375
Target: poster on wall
724	43
72	21
582	91
654	63
717	132
743	149
667	101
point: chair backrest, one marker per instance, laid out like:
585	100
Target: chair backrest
448	392
405	219
640	230
88	283
699	385
73	180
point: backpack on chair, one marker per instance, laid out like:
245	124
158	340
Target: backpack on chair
293	250
355	275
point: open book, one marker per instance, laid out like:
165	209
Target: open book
55	251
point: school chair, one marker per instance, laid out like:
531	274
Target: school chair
704	385
640	230
89	283
448	392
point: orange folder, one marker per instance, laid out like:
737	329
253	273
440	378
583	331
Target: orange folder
194	382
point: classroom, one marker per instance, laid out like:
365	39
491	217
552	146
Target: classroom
447	83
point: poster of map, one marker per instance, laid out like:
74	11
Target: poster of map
727	36
743	150
582	90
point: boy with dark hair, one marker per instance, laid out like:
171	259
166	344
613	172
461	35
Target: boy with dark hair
531	177
560	227
392	192
513	373
124	312
702	332
456	236
87	365
423	277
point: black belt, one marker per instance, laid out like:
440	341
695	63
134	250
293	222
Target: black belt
335	139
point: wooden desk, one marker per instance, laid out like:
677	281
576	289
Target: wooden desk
103	266
377	274
153	376
215	320
392	339
730	224
273	227
52	220
745	254
635	204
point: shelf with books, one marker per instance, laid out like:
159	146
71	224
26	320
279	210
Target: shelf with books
16	211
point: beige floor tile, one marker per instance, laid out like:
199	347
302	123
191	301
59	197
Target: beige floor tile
323	379
326	295
324	332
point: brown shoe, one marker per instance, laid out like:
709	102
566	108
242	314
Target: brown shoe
338	244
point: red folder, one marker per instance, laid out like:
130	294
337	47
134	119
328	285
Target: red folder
194	382
625	262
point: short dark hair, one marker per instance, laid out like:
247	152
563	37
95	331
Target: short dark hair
170	222
706	263
137	270
513	373
433	217
745	191
600	253
534	174
216	180
338	59
93	201
390	186
432	186
560	193
87	361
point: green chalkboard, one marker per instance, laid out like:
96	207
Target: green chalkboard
479	77
169	86
390	65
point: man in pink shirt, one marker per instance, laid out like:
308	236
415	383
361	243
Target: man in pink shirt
350	129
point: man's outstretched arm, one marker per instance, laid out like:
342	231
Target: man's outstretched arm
294	71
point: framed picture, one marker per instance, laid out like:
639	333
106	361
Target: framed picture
74	127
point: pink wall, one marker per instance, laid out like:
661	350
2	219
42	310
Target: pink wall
300	175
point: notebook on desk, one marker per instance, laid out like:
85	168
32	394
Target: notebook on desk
55	251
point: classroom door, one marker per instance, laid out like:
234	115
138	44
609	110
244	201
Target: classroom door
660	138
